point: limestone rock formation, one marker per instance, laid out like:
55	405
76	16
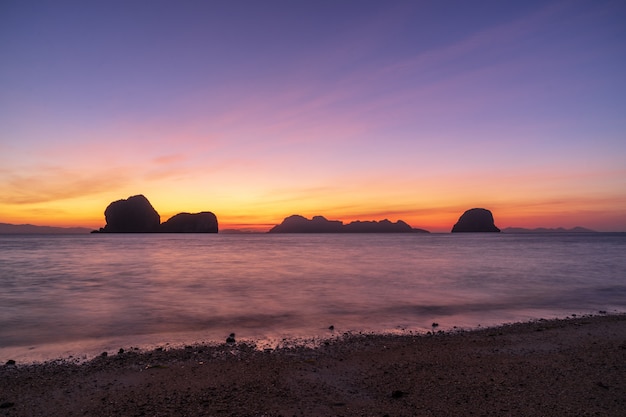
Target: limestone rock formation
204	222
383	226
300	224
319	224
133	215
476	220
136	215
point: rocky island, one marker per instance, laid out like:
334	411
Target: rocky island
136	215
319	224
204	222
476	220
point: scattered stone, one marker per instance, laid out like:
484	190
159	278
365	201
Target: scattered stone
157	366
231	338
121	351
104	354
398	394
397	375
10	362
331	327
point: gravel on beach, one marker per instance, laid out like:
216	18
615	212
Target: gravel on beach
568	367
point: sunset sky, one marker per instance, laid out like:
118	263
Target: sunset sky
256	110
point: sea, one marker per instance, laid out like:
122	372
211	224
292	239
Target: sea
75	296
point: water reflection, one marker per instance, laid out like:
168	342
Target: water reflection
64	288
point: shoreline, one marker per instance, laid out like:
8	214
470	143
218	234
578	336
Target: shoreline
84	350
569	366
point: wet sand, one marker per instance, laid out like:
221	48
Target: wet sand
569	367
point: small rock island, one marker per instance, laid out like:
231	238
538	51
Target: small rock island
476	220
136	215
204	222
319	224
133	215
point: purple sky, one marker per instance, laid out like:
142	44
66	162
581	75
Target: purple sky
350	109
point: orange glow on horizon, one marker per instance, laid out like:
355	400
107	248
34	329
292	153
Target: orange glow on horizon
436	223
326	120
257	213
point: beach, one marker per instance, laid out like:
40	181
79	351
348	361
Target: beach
566	367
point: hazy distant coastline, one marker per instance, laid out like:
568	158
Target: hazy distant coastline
16	229
577	229
136	215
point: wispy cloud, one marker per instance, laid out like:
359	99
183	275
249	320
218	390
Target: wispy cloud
169	159
381	118
47	184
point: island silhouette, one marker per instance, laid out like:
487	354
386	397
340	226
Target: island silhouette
476	220
319	224
539	230
136	215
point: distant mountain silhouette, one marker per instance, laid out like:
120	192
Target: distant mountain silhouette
239	231
14	229
136	215
577	229
476	220
319	224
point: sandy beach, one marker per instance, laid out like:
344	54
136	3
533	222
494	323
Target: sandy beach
569	367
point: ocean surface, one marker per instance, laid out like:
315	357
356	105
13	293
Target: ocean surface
79	295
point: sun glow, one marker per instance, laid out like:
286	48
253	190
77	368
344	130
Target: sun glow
360	118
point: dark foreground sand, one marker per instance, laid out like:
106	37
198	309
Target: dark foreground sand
573	367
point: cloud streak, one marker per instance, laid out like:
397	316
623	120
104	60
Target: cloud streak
53	183
359	110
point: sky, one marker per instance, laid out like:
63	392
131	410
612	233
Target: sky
257	110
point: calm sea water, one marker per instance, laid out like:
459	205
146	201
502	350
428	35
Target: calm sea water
78	295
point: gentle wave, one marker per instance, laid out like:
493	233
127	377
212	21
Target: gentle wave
70	289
